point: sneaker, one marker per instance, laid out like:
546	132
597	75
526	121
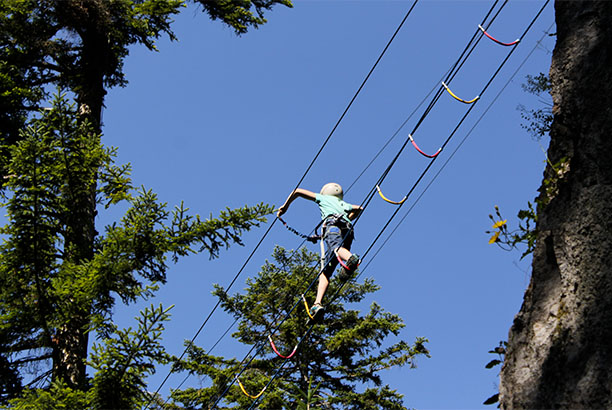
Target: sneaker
353	262
316	311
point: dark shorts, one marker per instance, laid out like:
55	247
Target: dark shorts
335	237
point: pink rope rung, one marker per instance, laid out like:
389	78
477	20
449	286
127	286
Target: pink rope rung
419	149
276	351
496	40
341	261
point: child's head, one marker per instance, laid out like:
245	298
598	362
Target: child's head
332	188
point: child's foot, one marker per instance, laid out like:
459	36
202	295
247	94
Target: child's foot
352	264
316	311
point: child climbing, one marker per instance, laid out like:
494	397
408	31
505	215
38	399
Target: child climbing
337	233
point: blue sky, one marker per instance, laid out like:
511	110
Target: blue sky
217	121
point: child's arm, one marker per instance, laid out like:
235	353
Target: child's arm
299	192
354	213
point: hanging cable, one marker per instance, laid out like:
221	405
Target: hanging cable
420	178
465	54
283	363
297	185
538	43
458	63
458	125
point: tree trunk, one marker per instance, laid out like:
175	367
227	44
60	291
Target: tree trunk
560	344
72	337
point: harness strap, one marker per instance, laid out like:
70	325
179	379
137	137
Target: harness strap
311	238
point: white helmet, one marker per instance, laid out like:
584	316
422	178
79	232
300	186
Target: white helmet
332	189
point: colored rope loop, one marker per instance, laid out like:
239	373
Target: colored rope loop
460	99
419	149
387	199
311	238
340	260
247	394
307	308
276	351
496	40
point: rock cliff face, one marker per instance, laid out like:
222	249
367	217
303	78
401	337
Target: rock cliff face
560	344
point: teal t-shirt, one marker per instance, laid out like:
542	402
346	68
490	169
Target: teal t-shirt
332	205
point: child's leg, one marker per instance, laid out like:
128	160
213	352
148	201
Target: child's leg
344	253
323	283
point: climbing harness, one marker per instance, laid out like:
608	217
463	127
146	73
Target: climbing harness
249	395
330	220
460	99
419	149
310	238
276	351
387	199
496	40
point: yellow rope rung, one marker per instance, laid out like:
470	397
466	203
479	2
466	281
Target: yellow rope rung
247	394
307	308
387	199
460	99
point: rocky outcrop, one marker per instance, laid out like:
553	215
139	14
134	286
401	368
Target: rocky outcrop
560	344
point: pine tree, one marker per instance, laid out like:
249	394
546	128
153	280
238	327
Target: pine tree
52	298
80	45
337	364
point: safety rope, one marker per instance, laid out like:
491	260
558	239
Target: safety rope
496	40
419	149
387	199
457	98
249	395
310	238
276	351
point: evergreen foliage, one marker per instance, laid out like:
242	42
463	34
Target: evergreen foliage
342	357
538	125
48	297
82	45
540	119
59	276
